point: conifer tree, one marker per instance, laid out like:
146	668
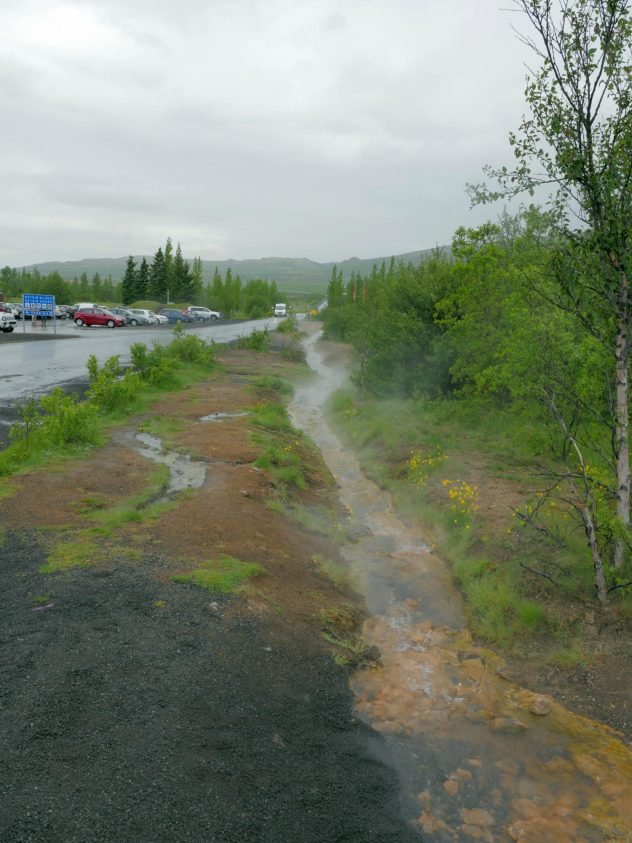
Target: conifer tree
197	277
142	280
157	287
128	284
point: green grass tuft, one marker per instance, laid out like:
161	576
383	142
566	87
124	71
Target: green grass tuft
67	555
224	575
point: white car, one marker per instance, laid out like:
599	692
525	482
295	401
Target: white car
7	322
151	318
204	313
160	319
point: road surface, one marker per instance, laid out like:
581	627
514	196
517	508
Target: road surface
32	368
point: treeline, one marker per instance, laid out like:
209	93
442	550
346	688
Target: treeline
14	282
479	323
168	277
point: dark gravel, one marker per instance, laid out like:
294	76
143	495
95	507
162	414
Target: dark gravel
123	721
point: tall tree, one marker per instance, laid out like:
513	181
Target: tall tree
142	280
170	284
577	139
157	288
181	278
128	283
197	280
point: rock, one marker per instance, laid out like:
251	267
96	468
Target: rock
508	724
539	705
476	816
451	787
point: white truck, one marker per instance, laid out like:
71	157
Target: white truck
280	309
7	322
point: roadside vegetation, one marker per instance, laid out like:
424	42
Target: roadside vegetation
59	426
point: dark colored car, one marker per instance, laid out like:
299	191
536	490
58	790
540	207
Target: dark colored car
174	315
90	316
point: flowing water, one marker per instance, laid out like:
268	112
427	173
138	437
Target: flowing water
479	758
184	473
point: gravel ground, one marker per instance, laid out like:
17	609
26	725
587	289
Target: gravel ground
127	721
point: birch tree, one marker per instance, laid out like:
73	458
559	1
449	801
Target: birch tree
576	139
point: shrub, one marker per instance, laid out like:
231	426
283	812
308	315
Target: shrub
66	421
256	341
110	389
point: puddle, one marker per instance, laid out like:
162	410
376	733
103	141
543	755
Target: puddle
184	473
479	758
219	416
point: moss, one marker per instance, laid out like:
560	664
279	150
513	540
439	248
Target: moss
224	575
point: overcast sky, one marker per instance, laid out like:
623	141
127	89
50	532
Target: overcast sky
249	128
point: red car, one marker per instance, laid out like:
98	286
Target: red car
90	316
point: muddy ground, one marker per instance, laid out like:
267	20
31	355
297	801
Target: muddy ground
137	708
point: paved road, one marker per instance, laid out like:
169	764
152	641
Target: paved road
31	368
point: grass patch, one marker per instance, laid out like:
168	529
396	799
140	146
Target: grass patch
224	575
66	555
274	383
41	599
337	573
138	507
163	427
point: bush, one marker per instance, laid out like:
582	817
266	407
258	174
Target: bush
155	366
256	341
110	389
66	421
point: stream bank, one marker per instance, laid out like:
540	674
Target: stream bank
478	756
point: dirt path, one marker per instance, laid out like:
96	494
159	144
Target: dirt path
139	708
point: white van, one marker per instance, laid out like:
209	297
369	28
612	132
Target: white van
280	309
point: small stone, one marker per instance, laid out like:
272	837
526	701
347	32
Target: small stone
508	724
476	816
213	606
451	787
539	705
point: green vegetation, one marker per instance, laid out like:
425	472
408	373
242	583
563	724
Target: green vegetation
276	383
66	555
61	425
337	573
137	508
255	341
224	575
283	450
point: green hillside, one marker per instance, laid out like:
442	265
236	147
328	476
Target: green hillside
291	274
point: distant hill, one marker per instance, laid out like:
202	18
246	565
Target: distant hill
291	274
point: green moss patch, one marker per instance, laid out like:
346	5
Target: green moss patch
223	575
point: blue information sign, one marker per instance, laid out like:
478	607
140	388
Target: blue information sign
37	305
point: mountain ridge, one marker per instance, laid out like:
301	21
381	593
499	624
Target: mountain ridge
304	272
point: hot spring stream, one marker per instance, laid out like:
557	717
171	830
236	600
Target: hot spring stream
478	757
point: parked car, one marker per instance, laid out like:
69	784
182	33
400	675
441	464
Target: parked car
9	307
160	319
90	316
67	312
151	320
280	309
174	315
7	322
203	313
131	318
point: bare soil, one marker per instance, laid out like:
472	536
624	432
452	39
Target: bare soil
137	708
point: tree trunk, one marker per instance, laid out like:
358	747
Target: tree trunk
600	578
621	426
